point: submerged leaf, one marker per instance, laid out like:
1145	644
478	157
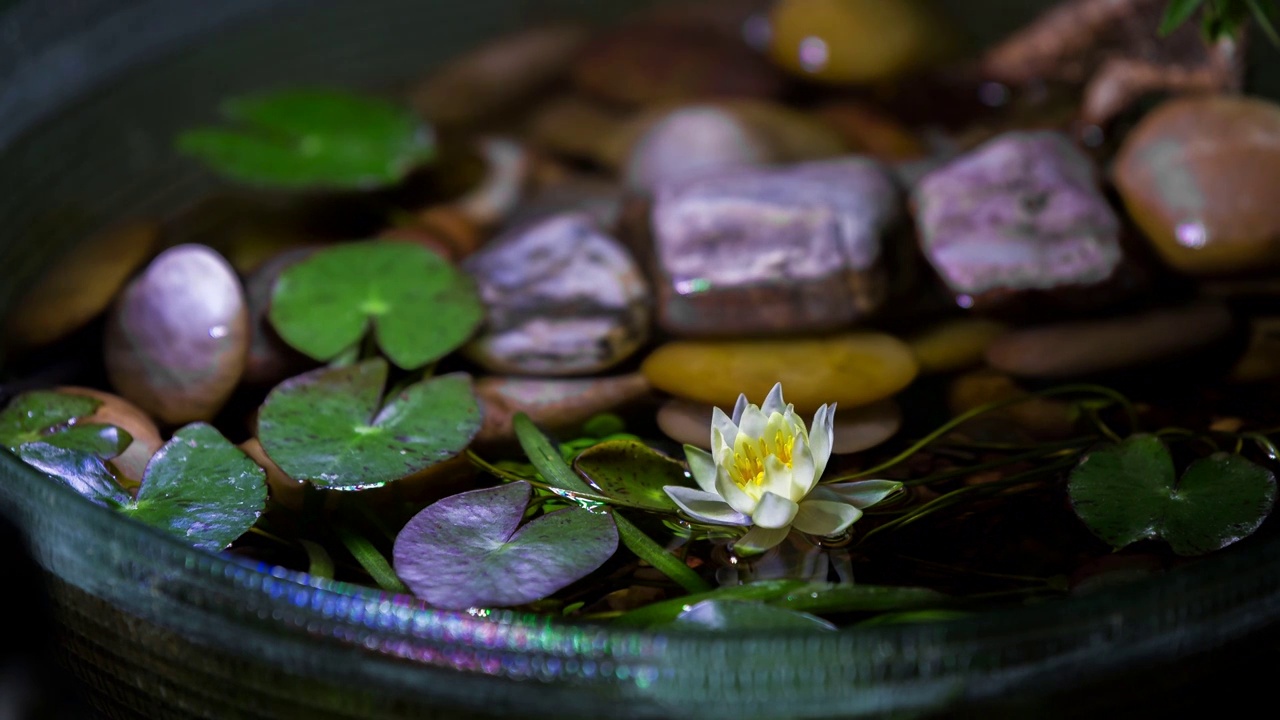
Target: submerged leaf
313	139
753	616
419	306
330	427
1127	492
201	488
631	472
469	550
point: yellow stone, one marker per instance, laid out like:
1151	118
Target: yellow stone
857	41
851	369
954	344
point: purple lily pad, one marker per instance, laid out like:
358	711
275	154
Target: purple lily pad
469	550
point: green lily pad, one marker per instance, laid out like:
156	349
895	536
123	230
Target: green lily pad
1129	492
44	428
469	550
731	615
330	427
631	472
201	488
313	139
420	307
85	473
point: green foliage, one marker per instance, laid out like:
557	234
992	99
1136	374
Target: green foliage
730	615
631	472
1223	18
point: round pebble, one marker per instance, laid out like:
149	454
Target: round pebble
954	344
555	404
855	429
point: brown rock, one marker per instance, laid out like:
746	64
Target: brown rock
855	429
453	229
800	247
115	410
80	286
554	404
283	490
508	168
1035	417
178	336
580	128
270	358
593	195
866	130
1198	175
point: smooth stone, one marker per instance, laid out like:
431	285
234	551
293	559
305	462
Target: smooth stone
80	286
1261	359
1036	417
509	167
1022	212
282	489
852	42
552	403
595	196
1092	346
178	336
270	358
562	298
691	141
851	369
115	410
646	64
499	74
954	344
864	129
452	228
855	429
1198	176
580	128
770	251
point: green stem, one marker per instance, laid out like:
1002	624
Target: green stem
651	552
320	564
371	560
589	498
991	465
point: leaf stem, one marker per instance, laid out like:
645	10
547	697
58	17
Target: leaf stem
651	552
371	560
320	563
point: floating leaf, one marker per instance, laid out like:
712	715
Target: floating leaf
666	611
1128	492
86	473
824	598
41	428
631	472
201	488
313	139
469	550
419	305
740	615
34	415
329	427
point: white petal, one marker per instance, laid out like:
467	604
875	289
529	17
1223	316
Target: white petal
739	407
705	506
732	494
821	437
759	539
863	494
777	477
774	403
774	511
824	518
753	423
728	428
803	472
702	466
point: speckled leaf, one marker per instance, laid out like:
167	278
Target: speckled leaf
631	472
201	488
1126	492
469	550
32	416
97	439
86	473
313	139
420	306
329	427
737	615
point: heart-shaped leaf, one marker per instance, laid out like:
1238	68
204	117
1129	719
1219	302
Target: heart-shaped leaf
86	473
724	615
201	488
631	472
330	427
42	428
34	415
420	307
1128	492
313	139
469	550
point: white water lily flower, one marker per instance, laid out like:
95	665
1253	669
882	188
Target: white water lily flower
763	467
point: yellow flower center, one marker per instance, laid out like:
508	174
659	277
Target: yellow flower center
749	454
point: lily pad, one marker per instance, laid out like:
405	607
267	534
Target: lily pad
33	415
85	473
739	615
331	428
419	306
469	550
201	488
313	139
631	472
1129	492
41	427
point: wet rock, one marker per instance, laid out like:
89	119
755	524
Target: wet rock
1093	346
593	195
80	286
1035	417
665	63
452	228
1198	176
799	246
492	200
499	75
562	298
580	128
552	403
857	41
691	141
115	410
270	358
1261	359
852	369
864	129
954	344
178	336
856	429
282	489
1021	213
